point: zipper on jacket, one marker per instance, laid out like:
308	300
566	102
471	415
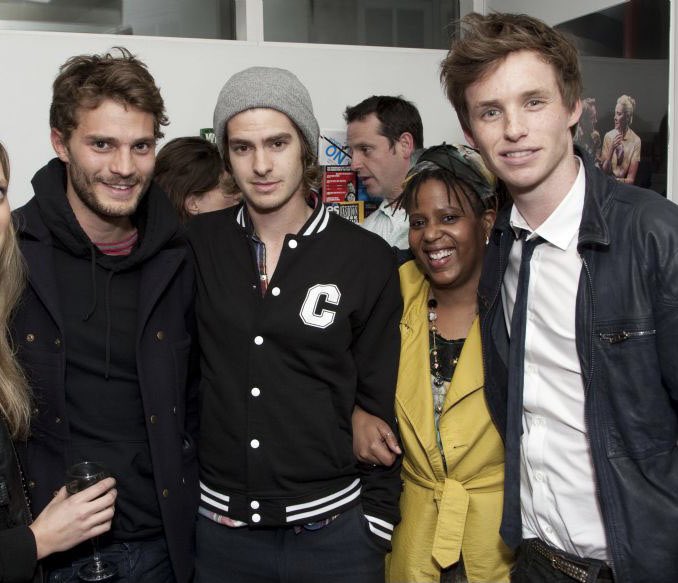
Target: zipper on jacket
587	420
616	337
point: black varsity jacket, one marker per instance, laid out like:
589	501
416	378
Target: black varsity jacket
282	372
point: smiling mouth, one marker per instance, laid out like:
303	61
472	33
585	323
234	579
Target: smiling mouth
519	154
440	254
117	188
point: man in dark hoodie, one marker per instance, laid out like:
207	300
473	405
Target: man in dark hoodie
105	329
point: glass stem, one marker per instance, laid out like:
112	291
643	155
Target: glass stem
95	550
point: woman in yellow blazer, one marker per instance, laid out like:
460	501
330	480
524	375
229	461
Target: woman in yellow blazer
453	465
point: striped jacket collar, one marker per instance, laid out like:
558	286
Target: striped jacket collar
316	223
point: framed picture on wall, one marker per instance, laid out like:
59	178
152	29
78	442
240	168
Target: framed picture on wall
625	64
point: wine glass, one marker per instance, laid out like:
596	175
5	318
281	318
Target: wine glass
79	477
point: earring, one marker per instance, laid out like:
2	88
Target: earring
487	239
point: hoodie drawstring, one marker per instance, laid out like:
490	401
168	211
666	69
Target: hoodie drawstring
107	301
93	266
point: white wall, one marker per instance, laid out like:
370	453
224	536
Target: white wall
190	74
550	12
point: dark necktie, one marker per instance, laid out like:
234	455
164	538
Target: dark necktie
511	527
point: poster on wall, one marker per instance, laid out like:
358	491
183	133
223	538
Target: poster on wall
625	68
341	186
622	126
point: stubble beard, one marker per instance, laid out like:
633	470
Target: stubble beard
253	203
83	186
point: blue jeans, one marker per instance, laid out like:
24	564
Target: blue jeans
138	562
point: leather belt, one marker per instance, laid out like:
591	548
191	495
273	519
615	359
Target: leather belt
577	569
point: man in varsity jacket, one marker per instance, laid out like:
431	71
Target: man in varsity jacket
298	314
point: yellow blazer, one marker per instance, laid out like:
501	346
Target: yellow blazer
458	512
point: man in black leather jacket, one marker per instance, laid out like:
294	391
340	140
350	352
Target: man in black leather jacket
585	394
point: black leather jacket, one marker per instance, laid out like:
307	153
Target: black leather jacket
17	544
627	342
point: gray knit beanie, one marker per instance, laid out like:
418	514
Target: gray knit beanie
271	88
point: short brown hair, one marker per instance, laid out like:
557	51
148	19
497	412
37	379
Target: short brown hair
309	162
396	116
485	41
186	166
86	80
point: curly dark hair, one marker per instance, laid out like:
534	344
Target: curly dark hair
86	80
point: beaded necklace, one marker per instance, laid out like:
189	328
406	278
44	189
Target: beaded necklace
440	374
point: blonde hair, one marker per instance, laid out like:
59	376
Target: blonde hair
628	105
15	403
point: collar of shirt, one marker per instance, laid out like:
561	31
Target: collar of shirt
563	223
120	248
315	223
387	207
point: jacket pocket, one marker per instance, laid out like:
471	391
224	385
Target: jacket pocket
623	335
632	399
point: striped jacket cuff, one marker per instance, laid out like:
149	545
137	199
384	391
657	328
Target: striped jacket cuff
379	527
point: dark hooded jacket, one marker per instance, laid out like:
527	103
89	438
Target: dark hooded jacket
121	329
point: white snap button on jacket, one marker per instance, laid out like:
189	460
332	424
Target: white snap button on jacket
258	340
254	443
255	391
292	244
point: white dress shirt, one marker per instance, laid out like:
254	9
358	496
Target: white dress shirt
557	483
390	225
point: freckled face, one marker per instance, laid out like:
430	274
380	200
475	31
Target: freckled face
521	126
